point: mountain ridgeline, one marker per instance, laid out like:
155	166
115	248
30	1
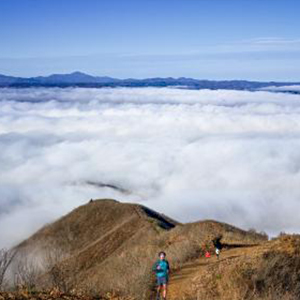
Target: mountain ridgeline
107	245
79	79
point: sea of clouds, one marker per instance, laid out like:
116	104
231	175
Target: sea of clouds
233	156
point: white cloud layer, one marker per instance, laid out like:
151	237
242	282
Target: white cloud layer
287	89
233	156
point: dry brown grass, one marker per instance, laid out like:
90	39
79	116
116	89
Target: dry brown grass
268	271
111	246
51	295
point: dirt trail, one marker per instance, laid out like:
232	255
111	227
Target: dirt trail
181	280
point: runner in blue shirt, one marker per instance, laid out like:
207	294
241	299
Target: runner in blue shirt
161	269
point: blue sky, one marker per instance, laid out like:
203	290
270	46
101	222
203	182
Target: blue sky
213	39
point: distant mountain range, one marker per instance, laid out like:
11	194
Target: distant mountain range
79	79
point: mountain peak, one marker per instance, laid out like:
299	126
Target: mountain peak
79	73
106	239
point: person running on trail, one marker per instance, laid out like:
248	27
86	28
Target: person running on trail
161	269
218	245
207	254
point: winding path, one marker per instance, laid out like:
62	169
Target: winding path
181	280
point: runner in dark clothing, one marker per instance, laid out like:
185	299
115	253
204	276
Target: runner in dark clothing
218	245
161	269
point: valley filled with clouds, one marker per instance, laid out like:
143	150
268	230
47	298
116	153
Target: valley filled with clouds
233	156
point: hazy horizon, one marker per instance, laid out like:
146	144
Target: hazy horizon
131	77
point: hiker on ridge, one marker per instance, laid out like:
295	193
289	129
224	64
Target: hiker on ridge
218	245
161	269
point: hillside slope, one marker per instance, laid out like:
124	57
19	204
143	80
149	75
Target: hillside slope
91	222
106	245
270	270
